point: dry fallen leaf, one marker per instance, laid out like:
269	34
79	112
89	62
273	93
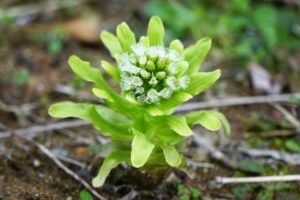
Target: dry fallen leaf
83	29
261	80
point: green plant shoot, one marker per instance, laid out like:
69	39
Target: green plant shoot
154	80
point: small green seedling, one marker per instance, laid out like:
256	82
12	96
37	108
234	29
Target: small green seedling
85	195
21	77
154	80
185	193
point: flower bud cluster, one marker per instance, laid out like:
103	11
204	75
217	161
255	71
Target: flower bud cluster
150	74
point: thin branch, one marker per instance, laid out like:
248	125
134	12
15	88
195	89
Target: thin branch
25	108
71	161
237	101
196	164
38	8
276	155
84	96
59	164
41	128
205	144
293	121
272	133
260	179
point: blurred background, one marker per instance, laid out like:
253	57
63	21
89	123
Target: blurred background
256	44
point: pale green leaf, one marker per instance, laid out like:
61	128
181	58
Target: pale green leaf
144	40
103	118
83	69
112	43
177	46
196	55
102	94
154	111
179	125
224	121
162	130
125	36
156	159
168	106
112	116
182	68
188	52
141	149
110	162
156	31
68	109
168	136
172	156
205	118
111	70
201	81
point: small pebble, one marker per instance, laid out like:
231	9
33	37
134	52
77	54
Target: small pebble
36	163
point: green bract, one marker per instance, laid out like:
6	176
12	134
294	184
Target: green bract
154	79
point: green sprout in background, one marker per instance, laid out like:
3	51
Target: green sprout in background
245	31
154	80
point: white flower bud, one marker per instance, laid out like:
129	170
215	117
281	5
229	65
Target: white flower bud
132	59
172	68
162	62
141	98
130	68
142	60
139	90
138	49
126	84
150	65
135	81
184	82
160	51
144	74
166	93
153	81
152	96
171	82
173	56
160	75
152	53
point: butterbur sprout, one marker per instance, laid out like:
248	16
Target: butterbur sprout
154	79
153	70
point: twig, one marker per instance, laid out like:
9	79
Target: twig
48	127
71	161
260	179
67	90
20	111
51	156
216	154
293	121
237	101
272	133
25	108
285	157
65	159
196	164
38	8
